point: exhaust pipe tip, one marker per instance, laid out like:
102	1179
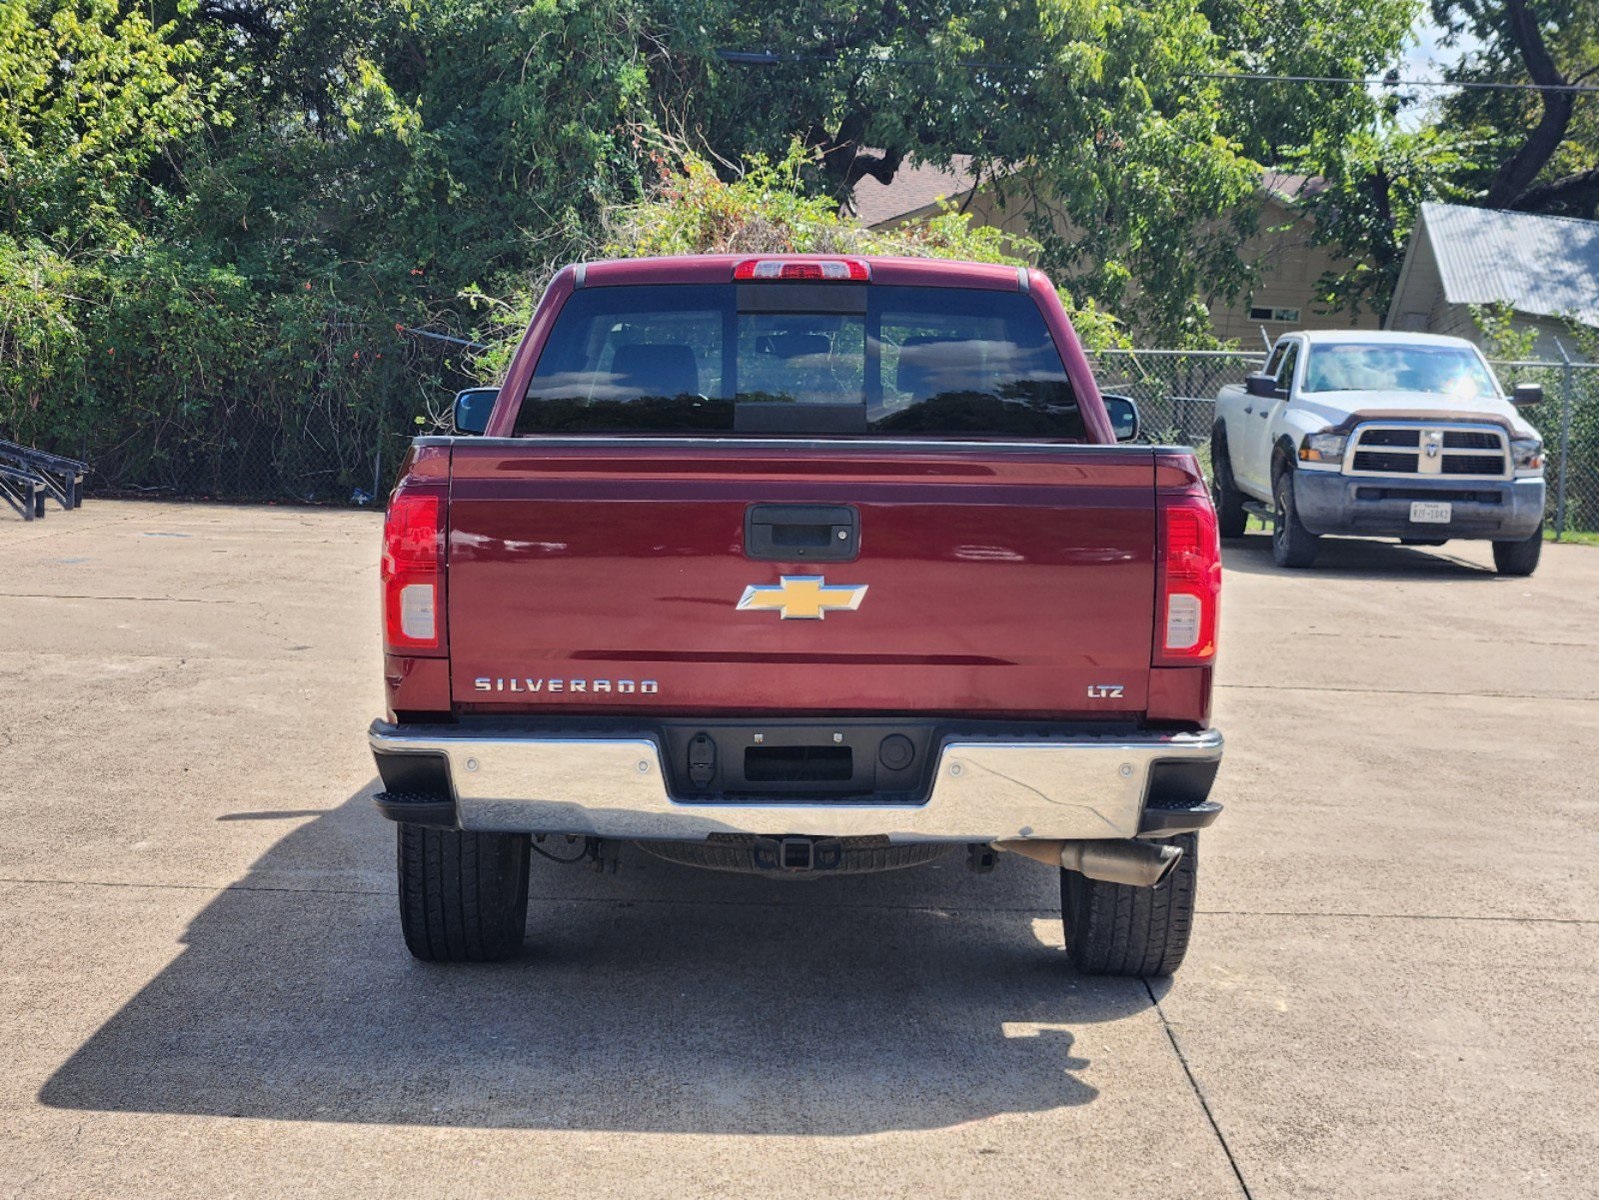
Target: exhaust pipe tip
1126	861
1134	863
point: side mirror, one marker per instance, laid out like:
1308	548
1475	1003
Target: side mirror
1525	395
1123	414
1261	385
470	412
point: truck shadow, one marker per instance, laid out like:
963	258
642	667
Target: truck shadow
1355	558
661	999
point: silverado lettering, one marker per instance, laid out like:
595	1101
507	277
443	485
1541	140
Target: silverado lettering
624	687
719	459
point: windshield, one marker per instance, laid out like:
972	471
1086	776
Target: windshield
803	359
1354	367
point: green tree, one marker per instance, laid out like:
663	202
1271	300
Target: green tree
1109	122
765	209
1538	151
90	96
244	201
222	221
1373	185
1094	116
1276	121
1528	150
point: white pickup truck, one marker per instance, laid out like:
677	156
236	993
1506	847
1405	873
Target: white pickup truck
1403	435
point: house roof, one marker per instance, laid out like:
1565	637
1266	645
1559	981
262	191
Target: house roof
918	186
1290	189
1542	266
914	187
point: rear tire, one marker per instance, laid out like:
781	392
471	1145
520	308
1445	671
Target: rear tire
1117	929
1519	558
463	896
1292	545
1231	516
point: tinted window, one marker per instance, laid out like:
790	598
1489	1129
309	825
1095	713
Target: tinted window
805	360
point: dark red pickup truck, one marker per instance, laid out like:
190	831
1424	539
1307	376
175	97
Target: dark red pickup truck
798	565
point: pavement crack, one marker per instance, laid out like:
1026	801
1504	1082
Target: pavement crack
1410	637
1372	916
196	887
1199	1092
135	599
1588	697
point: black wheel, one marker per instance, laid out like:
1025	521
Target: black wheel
463	896
1519	558
1292	545
1231	517
1117	929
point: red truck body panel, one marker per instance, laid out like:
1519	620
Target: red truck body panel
1001	581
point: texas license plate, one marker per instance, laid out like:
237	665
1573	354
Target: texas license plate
1431	512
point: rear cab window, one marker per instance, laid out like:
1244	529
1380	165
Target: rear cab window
800	358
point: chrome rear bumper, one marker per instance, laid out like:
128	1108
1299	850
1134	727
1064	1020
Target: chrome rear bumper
615	787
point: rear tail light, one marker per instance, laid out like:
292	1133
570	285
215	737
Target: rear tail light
413	554
840	270
1188	570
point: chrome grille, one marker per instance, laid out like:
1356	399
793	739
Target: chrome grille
1413	449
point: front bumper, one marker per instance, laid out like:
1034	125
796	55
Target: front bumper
1496	509
614	786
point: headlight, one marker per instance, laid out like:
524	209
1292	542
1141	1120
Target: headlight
1324	448
1527	453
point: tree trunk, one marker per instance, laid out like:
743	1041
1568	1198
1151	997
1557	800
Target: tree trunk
1515	176
1574	196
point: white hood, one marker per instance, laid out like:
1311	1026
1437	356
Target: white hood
1335	406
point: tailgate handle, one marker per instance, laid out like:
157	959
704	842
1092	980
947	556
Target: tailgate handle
802	532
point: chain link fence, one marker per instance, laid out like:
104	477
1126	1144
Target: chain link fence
1176	395
326	451
339	439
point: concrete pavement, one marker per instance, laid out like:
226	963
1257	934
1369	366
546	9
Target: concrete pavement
203	990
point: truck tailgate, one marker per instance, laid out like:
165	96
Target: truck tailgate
605	576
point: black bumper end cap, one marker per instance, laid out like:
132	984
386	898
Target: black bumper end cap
1166	822
414	809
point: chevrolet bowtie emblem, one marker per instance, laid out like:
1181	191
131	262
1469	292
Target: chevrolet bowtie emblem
802	597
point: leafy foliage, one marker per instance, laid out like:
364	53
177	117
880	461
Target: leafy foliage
1309	38
1526	150
1500	336
1094	117
1536	151
1374	183
766	208
226	225
221	236
93	95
